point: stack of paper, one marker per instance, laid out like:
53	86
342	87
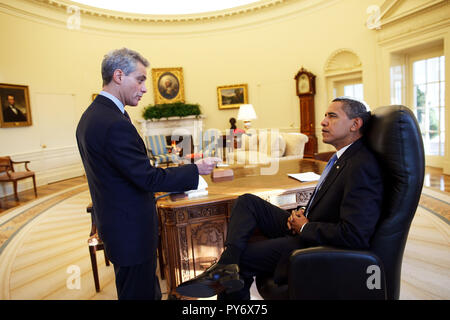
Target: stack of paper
305	176
200	191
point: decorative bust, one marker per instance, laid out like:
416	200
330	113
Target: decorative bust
233	123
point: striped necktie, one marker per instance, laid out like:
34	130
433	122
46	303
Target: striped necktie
321	180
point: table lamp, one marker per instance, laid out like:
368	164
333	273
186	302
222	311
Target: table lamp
246	113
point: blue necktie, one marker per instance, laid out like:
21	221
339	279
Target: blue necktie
321	180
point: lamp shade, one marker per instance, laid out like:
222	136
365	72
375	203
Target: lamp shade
246	112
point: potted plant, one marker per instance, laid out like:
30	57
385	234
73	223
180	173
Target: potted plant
167	110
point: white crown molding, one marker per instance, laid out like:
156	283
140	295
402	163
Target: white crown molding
389	7
93	20
429	17
110	14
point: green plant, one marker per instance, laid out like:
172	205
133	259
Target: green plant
177	109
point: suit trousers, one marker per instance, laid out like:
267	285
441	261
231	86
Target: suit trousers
269	256
138	282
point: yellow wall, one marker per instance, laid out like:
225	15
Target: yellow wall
264	49
264	54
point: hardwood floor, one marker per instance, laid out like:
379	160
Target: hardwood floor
434	178
7	203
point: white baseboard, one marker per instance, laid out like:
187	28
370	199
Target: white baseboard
50	165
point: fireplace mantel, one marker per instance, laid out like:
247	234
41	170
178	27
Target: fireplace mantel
175	126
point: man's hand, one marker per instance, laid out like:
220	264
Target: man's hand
207	165
296	221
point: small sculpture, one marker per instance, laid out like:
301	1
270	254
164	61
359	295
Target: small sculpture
233	123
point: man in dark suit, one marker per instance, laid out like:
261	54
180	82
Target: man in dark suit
11	113
121	179
342	212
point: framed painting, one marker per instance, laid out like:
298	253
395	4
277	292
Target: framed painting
168	85
231	97
15	103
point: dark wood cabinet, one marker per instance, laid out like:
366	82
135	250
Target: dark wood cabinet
305	90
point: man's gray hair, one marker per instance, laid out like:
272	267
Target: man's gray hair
355	109
123	59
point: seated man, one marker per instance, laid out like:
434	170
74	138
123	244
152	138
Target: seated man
342	212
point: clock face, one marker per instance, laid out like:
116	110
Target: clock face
303	84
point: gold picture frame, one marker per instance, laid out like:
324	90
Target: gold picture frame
15	106
168	85
231	97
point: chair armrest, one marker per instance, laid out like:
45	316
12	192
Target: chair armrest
25	162
331	273
150	153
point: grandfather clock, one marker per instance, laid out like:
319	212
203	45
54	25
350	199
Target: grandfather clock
306	89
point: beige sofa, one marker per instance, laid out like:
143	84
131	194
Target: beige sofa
266	145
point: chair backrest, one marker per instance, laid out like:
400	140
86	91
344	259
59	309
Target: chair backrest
394	136
157	144
5	164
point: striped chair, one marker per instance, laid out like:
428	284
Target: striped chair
212	146
157	150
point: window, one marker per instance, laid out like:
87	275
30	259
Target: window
428	76
355	91
349	88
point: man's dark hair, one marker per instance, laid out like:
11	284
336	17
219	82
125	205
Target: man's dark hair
355	109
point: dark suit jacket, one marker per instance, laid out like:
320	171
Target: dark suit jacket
122	182
10	116
346	209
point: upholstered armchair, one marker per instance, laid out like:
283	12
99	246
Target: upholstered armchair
336	273
158	152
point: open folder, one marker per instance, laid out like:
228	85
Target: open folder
305	176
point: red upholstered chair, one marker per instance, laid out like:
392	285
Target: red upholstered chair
95	244
8	174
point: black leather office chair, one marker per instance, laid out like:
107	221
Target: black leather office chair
334	273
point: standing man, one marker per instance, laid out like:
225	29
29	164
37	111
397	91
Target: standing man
121	180
342	212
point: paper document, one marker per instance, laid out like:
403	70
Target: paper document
305	176
201	189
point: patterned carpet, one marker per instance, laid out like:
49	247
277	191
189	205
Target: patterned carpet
43	250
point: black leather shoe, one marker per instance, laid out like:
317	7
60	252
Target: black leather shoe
215	279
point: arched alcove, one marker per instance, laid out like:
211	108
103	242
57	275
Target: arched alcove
343	74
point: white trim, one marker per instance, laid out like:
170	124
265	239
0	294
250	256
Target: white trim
50	165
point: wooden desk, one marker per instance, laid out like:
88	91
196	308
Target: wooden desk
193	231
